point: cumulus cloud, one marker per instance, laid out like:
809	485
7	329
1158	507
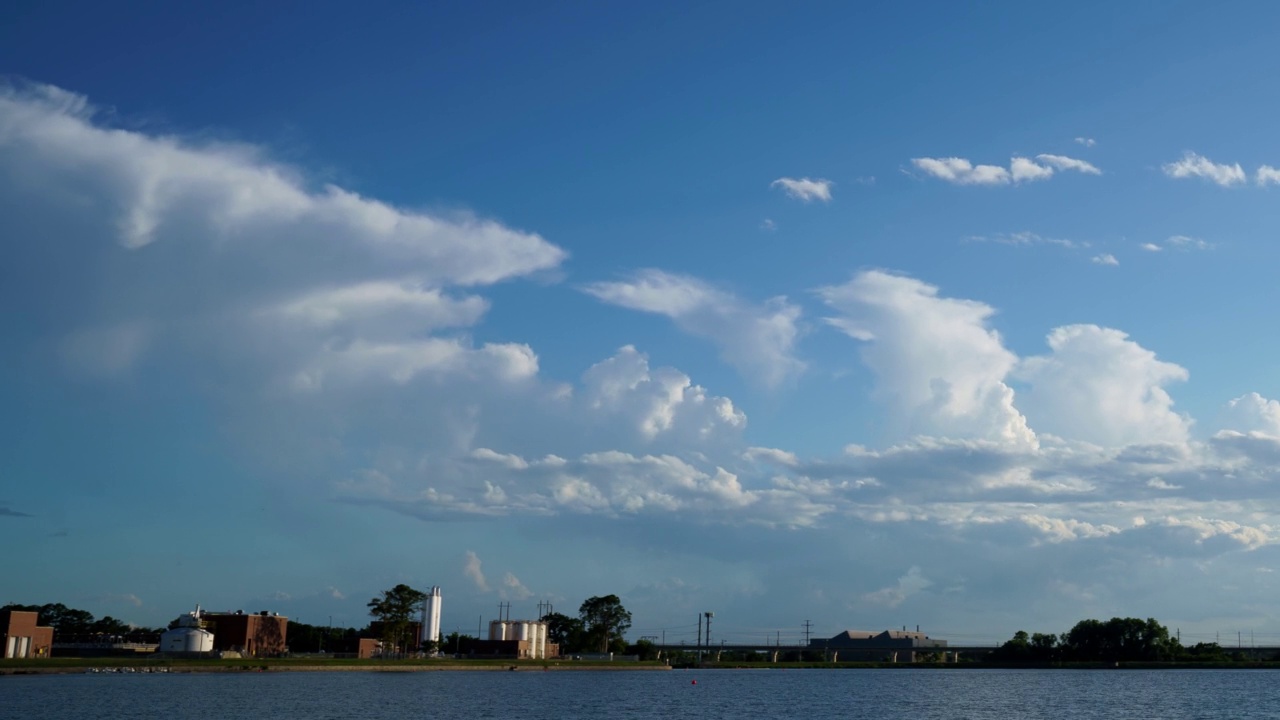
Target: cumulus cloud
758	340
938	363
960	171
1100	386
1151	247
1087	142
805	189
1268	175
1252	412
1105	259
1193	165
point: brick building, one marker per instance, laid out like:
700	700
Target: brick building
22	637
260	635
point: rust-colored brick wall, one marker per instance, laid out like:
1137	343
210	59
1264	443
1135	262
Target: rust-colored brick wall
22	624
258	635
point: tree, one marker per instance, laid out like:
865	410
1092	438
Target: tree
394	610
605	621
566	632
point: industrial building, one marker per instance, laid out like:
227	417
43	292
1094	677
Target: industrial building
260	635
889	645
189	635
22	637
517	639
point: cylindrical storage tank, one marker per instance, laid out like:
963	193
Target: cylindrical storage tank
186	640
524	631
495	629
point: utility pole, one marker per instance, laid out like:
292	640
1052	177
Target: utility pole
807	624
709	615
699	638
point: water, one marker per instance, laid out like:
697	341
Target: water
718	694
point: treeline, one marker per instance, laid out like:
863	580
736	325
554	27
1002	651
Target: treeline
71	625
1114	640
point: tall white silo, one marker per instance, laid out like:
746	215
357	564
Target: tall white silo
429	628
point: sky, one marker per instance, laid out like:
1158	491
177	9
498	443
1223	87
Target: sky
938	314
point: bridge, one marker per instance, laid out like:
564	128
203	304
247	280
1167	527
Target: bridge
890	653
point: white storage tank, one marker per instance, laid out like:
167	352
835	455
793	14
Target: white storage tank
186	640
189	636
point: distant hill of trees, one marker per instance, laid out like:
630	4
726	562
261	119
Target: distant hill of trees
1114	640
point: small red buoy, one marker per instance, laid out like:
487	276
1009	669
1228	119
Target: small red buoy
695	682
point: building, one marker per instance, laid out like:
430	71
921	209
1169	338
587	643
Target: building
260	635
518	639
889	645
188	636
429	630
22	637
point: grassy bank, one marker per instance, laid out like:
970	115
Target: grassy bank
74	665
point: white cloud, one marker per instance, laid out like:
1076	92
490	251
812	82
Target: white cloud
1099	386
939	366
1087	142
894	595
960	171
1268	175
657	401
258	268
1252	412
1025	238
805	189
1193	165
1105	259
1187	243
758	340
768	225
513	589
1151	247
1062	162
471	569
1021	169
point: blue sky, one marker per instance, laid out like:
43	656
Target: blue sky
940	315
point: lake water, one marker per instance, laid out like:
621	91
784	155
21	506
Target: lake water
737	694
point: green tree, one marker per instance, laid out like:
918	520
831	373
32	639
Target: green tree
605	620
394	610
567	632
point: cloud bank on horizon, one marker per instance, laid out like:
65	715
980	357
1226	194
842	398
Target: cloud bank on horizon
342	342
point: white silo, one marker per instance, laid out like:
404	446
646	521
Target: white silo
429	630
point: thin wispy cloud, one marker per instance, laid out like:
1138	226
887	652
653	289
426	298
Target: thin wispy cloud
1024	239
1197	166
805	189
759	340
1178	242
1085	141
1062	162
960	171
1105	259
